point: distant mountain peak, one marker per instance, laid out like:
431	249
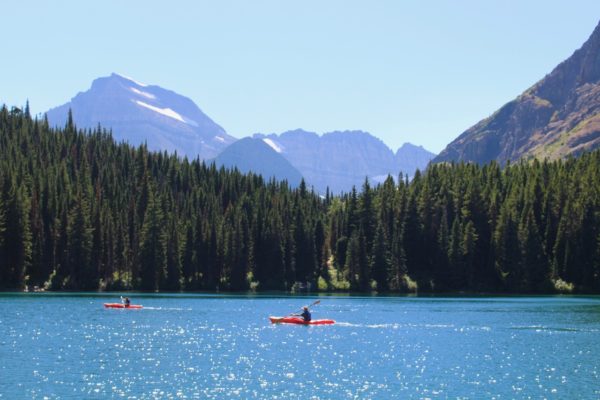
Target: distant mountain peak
140	113
407	145
259	156
121	76
339	160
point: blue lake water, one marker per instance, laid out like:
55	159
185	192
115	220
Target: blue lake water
220	347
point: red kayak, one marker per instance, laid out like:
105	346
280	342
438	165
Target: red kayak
120	305
300	321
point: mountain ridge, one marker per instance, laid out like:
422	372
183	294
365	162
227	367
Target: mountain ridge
167	121
556	117
339	160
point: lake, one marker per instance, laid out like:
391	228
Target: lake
221	347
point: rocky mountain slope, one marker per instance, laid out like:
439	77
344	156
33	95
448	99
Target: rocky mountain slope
557	117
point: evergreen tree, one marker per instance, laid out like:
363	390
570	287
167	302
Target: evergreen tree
173	276
506	243
189	263
152	248
2	219
455	275
81	271
380	261
15	257
468	249
353	261
533	257
320	251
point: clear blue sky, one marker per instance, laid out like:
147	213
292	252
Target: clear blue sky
417	71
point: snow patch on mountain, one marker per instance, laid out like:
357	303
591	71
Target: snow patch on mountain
132	80
273	145
142	93
164	111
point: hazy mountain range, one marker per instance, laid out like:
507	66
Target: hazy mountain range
340	160
138	113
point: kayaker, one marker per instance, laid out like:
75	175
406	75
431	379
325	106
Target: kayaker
126	302
305	314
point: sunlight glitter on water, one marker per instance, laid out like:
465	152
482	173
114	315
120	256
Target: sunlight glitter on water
225	347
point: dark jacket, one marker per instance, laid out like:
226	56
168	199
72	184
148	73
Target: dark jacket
306	315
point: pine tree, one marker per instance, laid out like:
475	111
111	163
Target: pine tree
380	260
189	264
353	261
81	271
507	254
2	219
412	240
16	252
455	278
533	258
240	257
367	214
320	251
468	249
173	267
152	248
441	273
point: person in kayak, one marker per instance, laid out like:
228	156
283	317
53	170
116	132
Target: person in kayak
126	302
305	314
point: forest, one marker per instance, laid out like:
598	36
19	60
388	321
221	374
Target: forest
79	211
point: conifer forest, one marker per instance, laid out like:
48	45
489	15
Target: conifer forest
81	212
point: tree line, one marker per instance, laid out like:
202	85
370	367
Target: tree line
81	212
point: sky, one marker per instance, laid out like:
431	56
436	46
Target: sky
419	71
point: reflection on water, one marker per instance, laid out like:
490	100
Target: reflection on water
69	346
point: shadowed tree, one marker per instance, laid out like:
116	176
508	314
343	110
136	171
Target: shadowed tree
152	249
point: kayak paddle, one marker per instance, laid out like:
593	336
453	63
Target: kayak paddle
313	304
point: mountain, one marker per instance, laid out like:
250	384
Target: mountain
557	117
139	113
340	160
255	155
410	157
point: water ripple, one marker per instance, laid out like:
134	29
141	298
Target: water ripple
182	348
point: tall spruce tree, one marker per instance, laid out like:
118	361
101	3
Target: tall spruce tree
81	271
16	251
152	248
380	260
